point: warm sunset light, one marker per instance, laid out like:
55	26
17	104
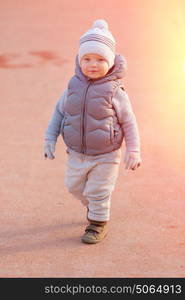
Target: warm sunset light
70	101
183	66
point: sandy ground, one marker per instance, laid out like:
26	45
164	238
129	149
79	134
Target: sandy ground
40	223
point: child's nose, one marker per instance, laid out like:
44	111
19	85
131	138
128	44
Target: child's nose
94	63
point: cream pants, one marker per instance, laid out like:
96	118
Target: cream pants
92	179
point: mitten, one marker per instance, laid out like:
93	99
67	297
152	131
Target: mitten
132	160
49	149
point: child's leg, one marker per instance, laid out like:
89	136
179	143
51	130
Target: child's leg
76	176
100	184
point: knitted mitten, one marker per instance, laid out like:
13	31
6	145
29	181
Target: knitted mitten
132	160
49	149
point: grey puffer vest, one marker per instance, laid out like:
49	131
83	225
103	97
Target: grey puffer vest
90	124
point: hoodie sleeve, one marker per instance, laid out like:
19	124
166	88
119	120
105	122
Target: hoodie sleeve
127	120
54	125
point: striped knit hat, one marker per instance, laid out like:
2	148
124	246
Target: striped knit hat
98	40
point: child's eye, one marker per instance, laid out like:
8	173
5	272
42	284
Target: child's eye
101	59
86	59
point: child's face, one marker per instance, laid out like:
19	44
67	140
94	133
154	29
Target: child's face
94	66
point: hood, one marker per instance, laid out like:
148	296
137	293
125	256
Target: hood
118	71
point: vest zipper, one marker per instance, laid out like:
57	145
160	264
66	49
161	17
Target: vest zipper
83	123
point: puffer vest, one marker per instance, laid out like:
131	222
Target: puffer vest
90	124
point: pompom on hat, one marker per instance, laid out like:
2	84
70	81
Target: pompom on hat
98	40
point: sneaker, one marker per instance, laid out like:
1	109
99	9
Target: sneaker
95	232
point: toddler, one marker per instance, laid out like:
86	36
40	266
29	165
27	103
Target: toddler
94	116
